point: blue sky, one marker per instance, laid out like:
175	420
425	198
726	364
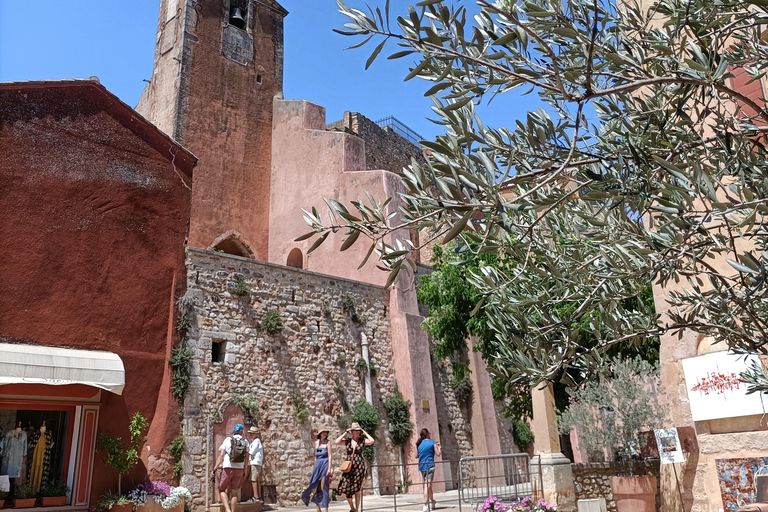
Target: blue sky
115	41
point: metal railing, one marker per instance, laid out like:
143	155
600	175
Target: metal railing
507	477
401	129
468	481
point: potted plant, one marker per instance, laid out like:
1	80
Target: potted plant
122	459
609	413
24	496
3	496
115	503
159	496
53	494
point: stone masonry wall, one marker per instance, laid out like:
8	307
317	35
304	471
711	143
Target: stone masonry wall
384	148
591	479
313	359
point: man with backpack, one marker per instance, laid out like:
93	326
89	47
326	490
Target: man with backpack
233	453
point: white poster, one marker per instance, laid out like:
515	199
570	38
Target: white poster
715	388
5	483
668	443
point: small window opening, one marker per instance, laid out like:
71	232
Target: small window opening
258	79
238	13
295	259
218	351
230	247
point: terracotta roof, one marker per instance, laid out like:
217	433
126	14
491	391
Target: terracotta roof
121	112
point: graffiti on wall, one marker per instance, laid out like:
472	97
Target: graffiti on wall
737	481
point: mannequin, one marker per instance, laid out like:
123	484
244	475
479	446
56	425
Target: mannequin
39	463
14	450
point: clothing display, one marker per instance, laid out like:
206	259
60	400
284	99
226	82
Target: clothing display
14	450
39	458
319	474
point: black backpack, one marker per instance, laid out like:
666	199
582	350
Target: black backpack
237	450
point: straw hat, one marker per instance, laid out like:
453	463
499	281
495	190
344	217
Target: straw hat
253	430
323	428
355	426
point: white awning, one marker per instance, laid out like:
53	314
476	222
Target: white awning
35	364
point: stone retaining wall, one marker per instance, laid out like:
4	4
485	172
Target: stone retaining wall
312	359
591	479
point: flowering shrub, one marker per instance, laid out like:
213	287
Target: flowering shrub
163	493
494	504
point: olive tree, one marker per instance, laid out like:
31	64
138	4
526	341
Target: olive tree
646	166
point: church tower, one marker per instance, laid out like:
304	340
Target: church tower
218	66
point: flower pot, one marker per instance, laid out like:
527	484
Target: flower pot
53	501
634	493
122	507
153	506
25	503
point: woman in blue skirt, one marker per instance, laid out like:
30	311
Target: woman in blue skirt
322	472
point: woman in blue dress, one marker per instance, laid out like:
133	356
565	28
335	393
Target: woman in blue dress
427	449
322	472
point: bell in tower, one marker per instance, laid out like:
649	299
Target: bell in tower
236	17
238	13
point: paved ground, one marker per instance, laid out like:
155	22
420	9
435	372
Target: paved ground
446	502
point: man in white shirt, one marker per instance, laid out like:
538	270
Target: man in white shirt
256	460
233	453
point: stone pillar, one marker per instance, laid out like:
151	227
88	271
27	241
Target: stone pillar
553	466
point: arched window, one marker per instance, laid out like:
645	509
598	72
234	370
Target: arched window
295	259
232	243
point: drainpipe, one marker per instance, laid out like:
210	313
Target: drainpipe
369	399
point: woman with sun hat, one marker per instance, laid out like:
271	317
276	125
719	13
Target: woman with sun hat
322	472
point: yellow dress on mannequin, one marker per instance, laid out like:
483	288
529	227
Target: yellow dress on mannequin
38	456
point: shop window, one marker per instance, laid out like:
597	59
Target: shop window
218	351
36	444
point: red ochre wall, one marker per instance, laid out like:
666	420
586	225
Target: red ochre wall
93	221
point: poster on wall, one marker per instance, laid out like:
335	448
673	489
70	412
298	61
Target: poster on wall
715	389
670	450
737	480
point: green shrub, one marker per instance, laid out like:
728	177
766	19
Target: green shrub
462	388
176	450
399	415
347	303
120	458
522	434
248	404
300	410
3	496
54	489
271	322
181	365
109	499
368	417
361	367
343	421
183	323
611	412
24	492
240	287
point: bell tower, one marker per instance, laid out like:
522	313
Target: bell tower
218	66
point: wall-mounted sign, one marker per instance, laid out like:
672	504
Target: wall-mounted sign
668	442
715	388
